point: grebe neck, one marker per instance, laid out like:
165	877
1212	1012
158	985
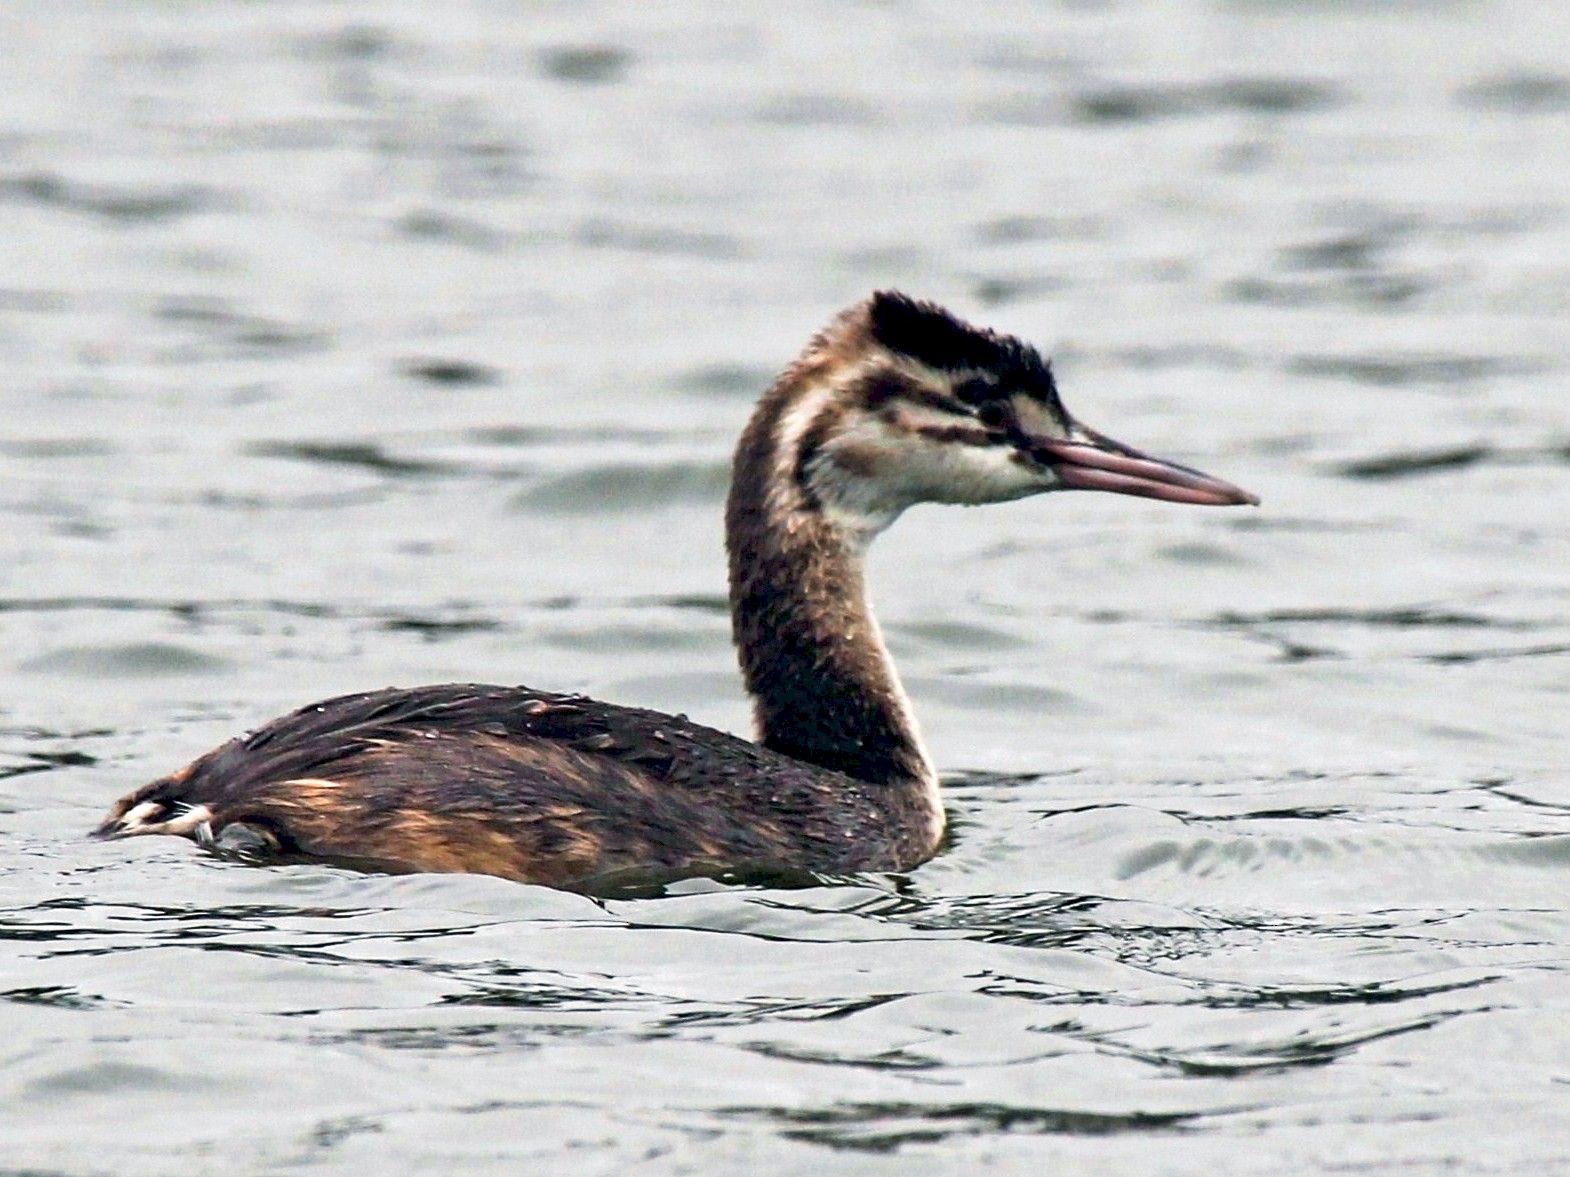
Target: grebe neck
823	686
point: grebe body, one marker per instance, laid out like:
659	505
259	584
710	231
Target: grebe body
896	402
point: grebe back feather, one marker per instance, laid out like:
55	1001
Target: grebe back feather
896	402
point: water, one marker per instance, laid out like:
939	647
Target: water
352	344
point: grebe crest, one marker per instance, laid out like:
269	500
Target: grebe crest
896	402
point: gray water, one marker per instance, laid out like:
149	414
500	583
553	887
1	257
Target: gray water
348	344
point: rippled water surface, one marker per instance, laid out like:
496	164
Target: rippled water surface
351	344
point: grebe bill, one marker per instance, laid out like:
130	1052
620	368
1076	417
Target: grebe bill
895	402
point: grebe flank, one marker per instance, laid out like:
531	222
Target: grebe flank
896	402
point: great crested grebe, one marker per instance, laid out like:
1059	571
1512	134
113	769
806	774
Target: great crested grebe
896	402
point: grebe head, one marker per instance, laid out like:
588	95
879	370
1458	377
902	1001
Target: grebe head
899	402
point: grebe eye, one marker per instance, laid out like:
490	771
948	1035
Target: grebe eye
992	414
975	391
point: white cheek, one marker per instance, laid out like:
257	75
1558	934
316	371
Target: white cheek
871	473
974	475
919	469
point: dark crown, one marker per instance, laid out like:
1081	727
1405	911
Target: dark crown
931	335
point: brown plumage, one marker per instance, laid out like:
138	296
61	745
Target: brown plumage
526	785
896	402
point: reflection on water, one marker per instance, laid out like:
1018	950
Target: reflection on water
348	346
